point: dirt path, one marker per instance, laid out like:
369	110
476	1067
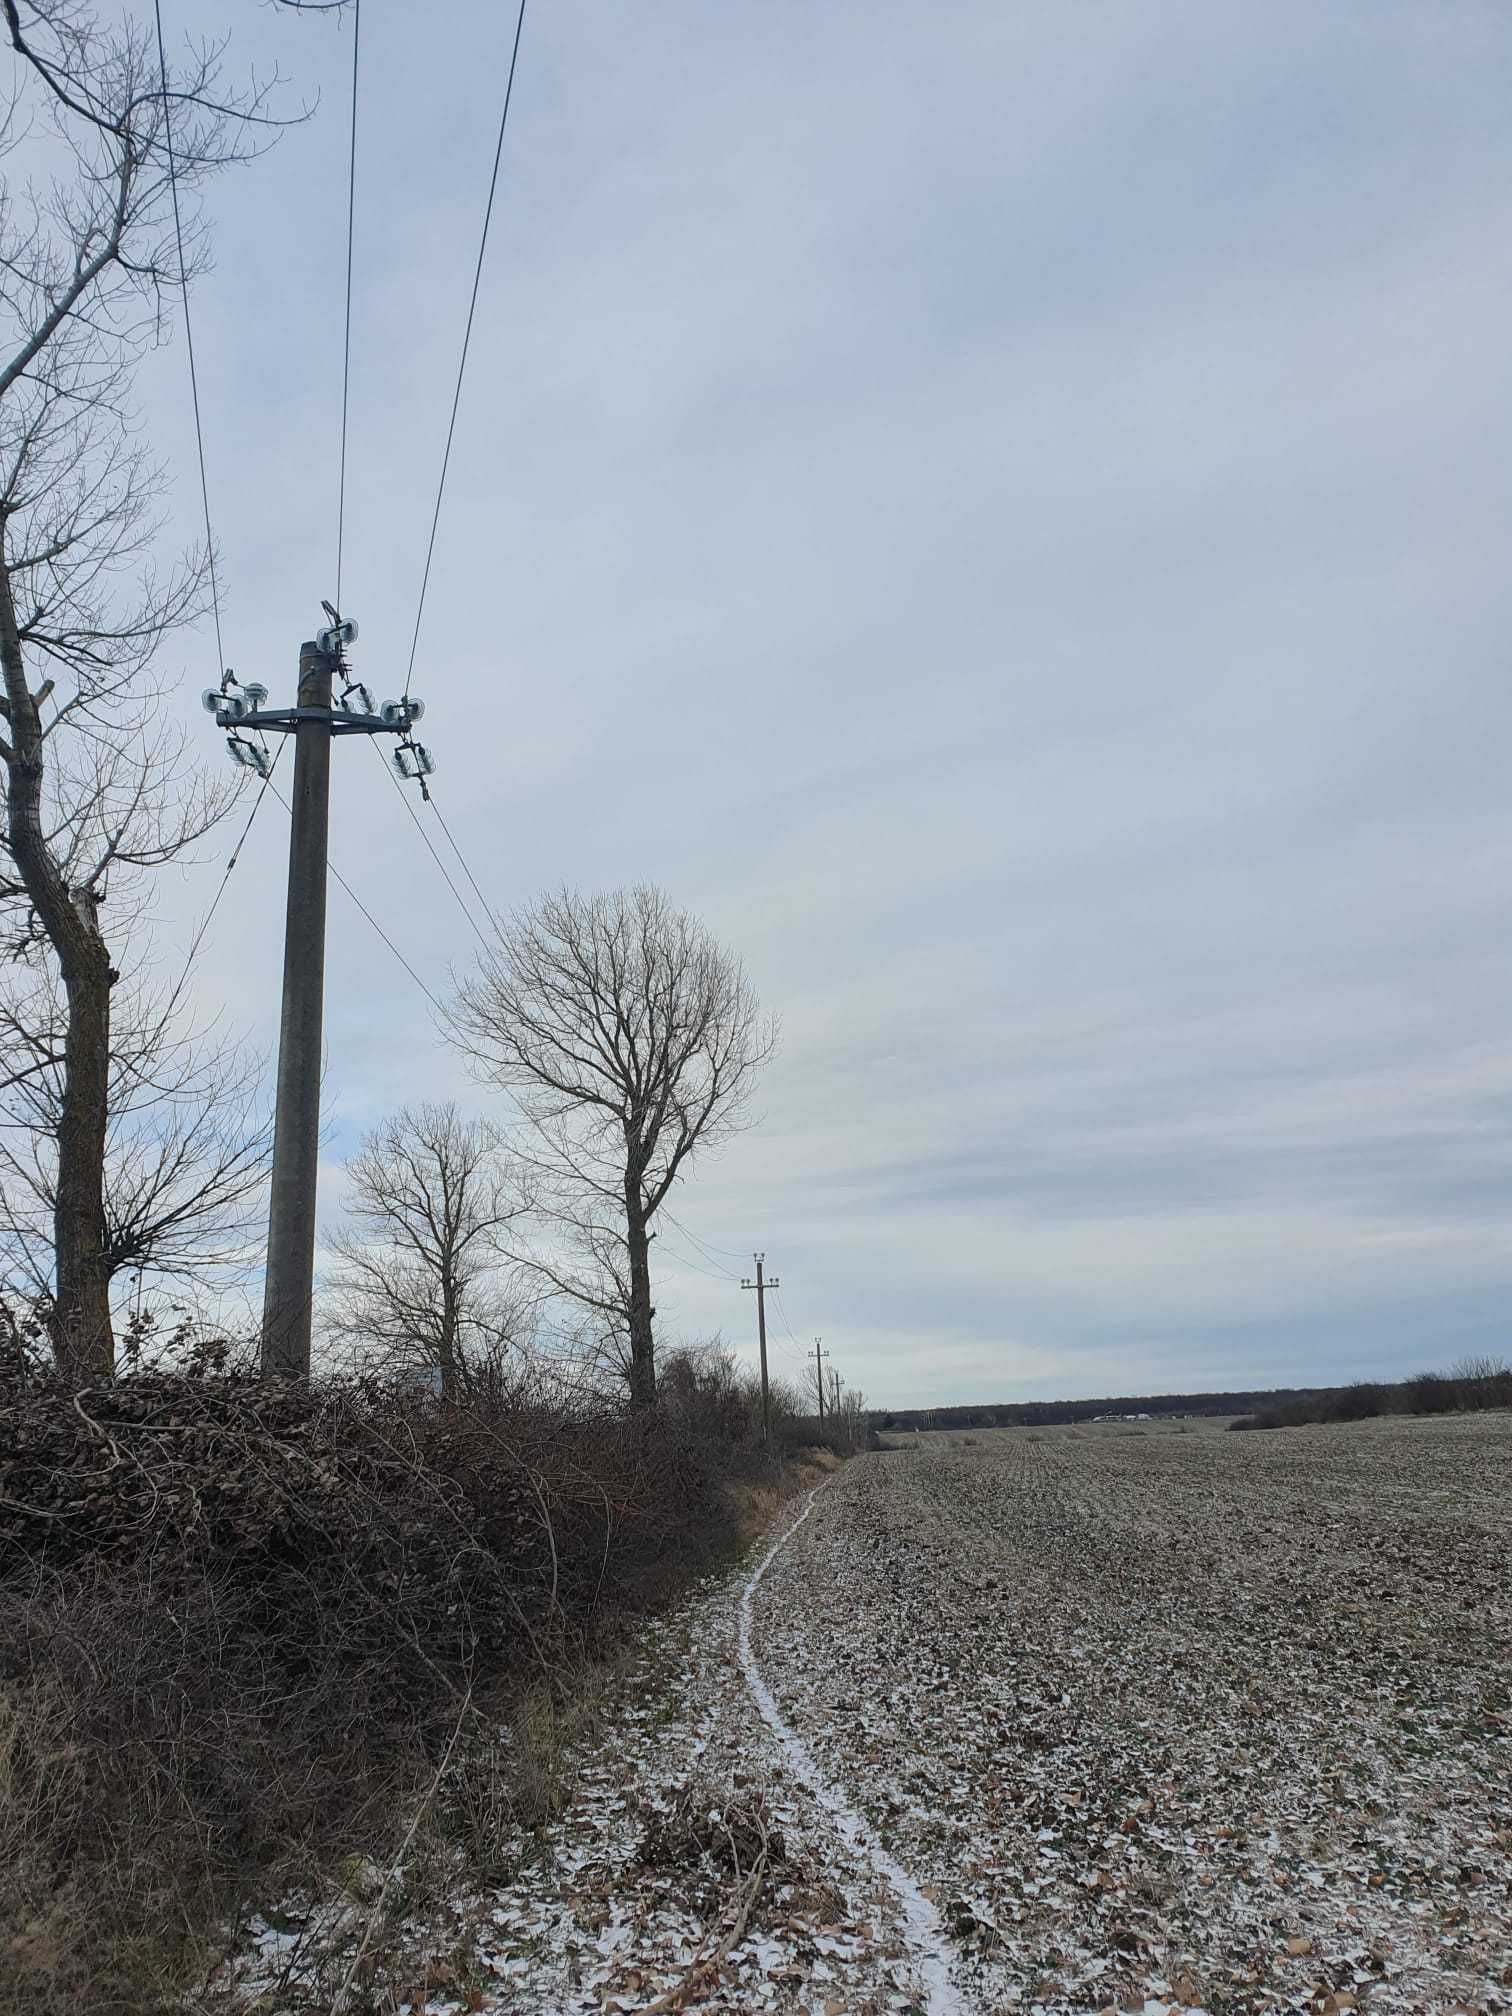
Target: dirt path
923	1930
642	1874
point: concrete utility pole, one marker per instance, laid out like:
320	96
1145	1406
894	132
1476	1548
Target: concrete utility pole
290	1278
819	1358
314	719
761	1287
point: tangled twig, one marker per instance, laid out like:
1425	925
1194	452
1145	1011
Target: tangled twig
397	1864
703	1969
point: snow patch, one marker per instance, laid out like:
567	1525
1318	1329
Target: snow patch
923	1930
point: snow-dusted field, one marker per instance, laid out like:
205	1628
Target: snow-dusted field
1064	1721
1206	1720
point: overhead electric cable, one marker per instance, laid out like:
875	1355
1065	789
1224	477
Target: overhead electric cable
487	906
466	340
199	433
709	1251
782	1312
336	872
346	348
205	922
478	931
693	1266
793	1348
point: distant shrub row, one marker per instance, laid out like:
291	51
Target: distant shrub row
1472	1384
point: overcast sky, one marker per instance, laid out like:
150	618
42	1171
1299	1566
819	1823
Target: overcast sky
1003	511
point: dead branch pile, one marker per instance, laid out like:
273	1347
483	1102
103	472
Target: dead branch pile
414	1522
238	1619
698	1827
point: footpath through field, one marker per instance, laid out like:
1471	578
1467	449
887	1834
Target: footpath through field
1064	1722
696	1780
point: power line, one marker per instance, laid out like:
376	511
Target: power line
368	914
199	435
692	1265
478	931
346	351
793	1348
472	305
205	922
487	906
710	1251
798	1349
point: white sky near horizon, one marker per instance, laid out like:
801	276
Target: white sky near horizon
1002	511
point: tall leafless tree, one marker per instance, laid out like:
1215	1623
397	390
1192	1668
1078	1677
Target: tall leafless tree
422	1282
629	1039
89	263
848	1417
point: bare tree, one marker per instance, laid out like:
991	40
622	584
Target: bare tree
421	1281
849	1416
187	1144
94	791
629	1039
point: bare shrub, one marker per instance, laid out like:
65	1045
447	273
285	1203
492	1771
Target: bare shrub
1361	1401
702	1387
701	1826
1429	1393
1483	1380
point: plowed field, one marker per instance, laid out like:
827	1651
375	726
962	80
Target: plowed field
1114	1719
1217	1721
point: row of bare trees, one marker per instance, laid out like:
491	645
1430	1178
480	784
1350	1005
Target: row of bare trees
627	1040
840	1407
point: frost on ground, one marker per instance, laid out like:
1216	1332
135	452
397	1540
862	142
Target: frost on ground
1210	1721
1144	1720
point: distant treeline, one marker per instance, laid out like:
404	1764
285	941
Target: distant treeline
1473	1383
1046	1413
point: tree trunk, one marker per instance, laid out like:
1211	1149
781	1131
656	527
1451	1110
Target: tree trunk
82	1337
642	1347
447	1341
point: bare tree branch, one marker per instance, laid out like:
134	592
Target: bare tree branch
187	1148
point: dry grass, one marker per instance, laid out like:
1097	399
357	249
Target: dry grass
755	1503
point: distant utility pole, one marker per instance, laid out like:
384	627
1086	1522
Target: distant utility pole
761	1287
290	1276
819	1358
